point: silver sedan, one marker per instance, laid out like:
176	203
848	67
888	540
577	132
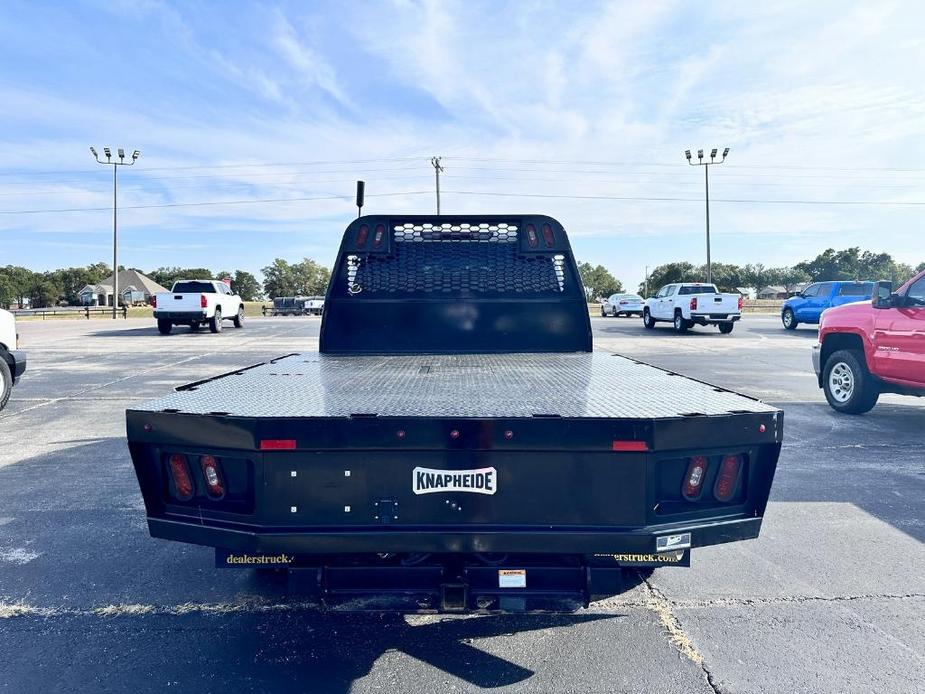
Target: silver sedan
622	305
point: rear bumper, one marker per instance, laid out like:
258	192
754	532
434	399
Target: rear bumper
379	540
18	367
711	318
181	316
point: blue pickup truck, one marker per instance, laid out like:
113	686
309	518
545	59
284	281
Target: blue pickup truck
808	305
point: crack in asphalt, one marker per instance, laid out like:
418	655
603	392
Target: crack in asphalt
791	599
659	603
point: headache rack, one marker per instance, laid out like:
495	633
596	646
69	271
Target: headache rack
470	284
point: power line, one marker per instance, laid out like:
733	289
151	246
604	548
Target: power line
231	184
31	172
628	198
208	203
663	173
698	200
217	176
659	164
673	183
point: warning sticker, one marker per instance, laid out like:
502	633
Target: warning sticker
512	578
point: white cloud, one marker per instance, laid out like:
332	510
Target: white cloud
312	68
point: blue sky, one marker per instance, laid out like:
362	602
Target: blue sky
232	102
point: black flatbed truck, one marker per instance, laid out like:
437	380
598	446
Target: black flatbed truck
455	444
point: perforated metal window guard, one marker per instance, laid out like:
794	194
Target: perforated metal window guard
456	258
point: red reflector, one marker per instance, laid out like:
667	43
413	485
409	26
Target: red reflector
362	235
277	444
179	475
531	236
728	478
203	301
212	473
693	478
377	238
154	301
548	238
740	302
694	304
630	446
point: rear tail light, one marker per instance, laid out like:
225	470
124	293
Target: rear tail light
623	303
548	238
693	478
278	445
180	477
212	472
694	304
531	236
740	302
203	301
362	235
377	237
727	480
153	301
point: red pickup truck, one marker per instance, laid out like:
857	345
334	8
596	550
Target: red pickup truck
873	347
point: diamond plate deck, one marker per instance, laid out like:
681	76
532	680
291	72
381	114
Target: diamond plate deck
593	385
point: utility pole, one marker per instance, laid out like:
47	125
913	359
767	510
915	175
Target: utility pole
647	283
706	180
438	168
115	226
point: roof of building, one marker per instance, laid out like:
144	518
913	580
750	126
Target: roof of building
97	288
773	289
135	278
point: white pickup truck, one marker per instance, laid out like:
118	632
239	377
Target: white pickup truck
12	360
194	302
688	303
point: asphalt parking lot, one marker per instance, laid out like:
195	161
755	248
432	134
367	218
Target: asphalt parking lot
831	598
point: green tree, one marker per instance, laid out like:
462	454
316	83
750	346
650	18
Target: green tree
7	291
298	279
278	279
670	273
854	264
20	281
920	267
44	292
310	278
726	277
900	273
166	276
598	281
246	285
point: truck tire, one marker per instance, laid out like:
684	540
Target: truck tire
647	319
788	319
603	312
6	382
680	325
848	385
164	327
194	326
239	318
215	322
726	328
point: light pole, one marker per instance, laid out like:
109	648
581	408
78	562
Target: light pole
706	179
115	227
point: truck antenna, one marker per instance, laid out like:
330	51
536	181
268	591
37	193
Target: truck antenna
361	189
